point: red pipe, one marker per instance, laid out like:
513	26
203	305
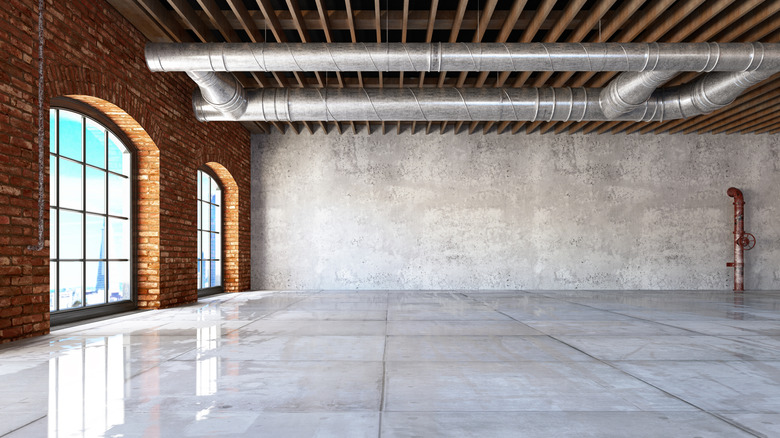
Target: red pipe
739	230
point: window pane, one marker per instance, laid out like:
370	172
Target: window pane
70	135
71	289
119	239
205	213
96	190
52	234
118	156
205	247
215	247
53	180
204	187
71	235
215	218
118	281
53	286
118	195
204	275
96	283
200	176
95	144
216	275
53	131
216	193
96	237
200	222
71	184
199	267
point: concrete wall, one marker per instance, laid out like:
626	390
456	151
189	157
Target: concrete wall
510	212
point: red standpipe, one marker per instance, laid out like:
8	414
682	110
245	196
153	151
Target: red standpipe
739	231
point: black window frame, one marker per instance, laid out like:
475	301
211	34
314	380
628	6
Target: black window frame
212	290
67	316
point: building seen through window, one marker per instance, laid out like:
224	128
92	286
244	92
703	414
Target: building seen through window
90	216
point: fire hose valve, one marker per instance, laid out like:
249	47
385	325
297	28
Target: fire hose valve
747	241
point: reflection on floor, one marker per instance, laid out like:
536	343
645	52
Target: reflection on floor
402	364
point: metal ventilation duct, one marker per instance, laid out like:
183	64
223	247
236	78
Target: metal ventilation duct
462	57
475	104
633	95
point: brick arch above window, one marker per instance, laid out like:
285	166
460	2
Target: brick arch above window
233	280
147	186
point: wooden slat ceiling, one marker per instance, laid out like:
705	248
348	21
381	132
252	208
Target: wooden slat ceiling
756	111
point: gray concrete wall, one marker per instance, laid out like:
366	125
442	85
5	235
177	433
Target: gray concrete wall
510	211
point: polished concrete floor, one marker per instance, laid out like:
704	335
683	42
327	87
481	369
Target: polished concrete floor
406	364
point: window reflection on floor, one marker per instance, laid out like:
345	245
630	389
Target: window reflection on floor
87	388
207	366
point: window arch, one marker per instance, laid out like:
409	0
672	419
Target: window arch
209	233
91	216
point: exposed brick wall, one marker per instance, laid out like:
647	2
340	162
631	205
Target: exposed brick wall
94	55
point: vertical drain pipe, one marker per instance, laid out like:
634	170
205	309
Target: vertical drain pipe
739	230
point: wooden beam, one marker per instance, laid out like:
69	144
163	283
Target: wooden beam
165	19
192	20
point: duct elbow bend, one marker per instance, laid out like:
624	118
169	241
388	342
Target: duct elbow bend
222	91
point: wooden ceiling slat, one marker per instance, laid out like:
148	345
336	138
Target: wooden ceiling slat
668	21
772	129
428	37
503	35
192	20
479	32
744	122
603	20
577	36
526	37
623	14
454	32
166	20
754	125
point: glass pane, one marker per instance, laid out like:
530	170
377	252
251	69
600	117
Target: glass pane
118	281
216	193
205	213
205	248
216	274
95	144
204	187
96	237
118	156
96	283
52	180
204	275
216	248
119	239
215	214
200	286
53	286
200	176
71	184
53	131
52	234
71	235
96	190
118	195
71	289
70	134
200	224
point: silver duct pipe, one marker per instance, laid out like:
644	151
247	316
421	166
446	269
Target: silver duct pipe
473	104
630	90
463	57
221	91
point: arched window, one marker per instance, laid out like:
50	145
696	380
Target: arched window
91	225
209	233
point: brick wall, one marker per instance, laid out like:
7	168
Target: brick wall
93	55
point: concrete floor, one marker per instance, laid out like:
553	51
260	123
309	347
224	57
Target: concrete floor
403	364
